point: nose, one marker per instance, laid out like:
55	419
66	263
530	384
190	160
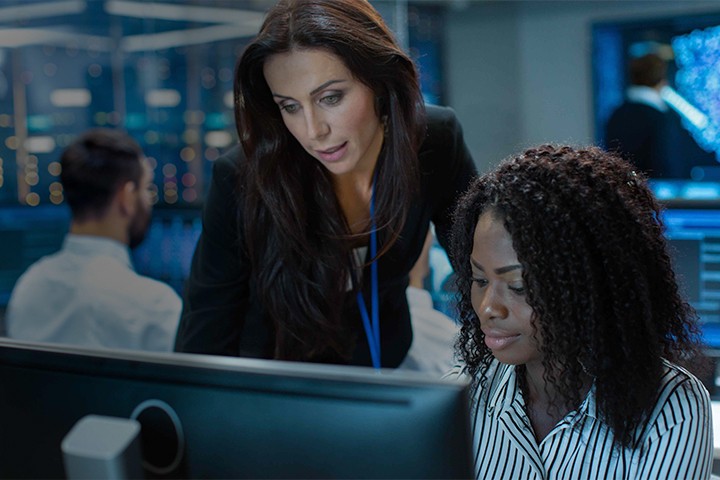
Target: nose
315	123
491	305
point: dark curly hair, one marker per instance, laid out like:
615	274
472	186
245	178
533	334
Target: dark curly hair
588	234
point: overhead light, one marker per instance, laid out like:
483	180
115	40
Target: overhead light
41	144
187	13
70	97
41	10
180	38
162	97
21	37
218	139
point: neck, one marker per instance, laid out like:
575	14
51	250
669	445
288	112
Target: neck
359	181
100	228
538	390
354	193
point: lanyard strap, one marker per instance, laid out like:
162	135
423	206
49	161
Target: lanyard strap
372	329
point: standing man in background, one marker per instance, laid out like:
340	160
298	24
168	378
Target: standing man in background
646	132
88	293
638	129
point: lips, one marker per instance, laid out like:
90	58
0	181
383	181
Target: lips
332	154
499	340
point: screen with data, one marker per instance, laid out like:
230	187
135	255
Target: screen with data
694	238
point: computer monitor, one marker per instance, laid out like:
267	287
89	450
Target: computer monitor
240	418
693	233
26	235
166	252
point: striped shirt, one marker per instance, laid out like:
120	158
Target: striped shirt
675	443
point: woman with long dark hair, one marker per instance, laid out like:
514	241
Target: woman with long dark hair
310	230
573	327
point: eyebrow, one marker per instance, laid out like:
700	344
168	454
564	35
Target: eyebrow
499	271
315	91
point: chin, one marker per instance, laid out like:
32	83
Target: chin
339	168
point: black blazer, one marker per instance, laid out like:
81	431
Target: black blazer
221	313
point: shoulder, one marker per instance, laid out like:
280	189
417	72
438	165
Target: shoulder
443	150
442	125
229	164
224	195
678	383
36	275
681	397
636	109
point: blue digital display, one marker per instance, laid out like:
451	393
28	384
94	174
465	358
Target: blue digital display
694	239
697	55
690	44
167	250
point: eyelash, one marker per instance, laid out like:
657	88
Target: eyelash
330	100
287	107
481	282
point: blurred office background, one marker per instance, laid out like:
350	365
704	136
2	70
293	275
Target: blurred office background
516	72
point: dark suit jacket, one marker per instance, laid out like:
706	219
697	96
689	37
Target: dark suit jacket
655	141
222	314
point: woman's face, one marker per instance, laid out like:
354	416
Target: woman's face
498	294
330	113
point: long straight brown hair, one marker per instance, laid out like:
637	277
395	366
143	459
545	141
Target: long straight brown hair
294	231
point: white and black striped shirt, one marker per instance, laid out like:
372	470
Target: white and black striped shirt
675	443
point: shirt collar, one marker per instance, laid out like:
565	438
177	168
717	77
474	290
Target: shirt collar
647	96
95	245
506	391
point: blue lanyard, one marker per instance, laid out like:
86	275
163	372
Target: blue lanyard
372	329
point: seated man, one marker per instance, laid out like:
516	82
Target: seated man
88	294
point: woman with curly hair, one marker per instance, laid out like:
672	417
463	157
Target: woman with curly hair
573	326
310	229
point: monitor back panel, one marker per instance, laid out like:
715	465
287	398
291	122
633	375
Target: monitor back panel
235	422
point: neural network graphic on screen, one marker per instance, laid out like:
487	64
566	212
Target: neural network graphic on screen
697	56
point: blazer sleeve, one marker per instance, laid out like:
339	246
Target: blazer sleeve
216	294
453	164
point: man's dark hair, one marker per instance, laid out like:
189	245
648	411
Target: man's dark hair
648	70
95	166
